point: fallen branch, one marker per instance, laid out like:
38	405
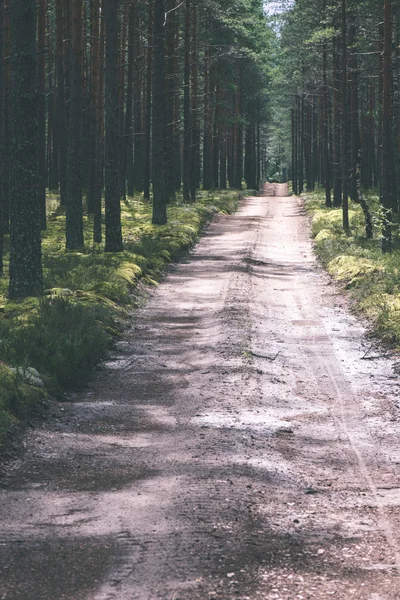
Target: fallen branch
366	357
271	358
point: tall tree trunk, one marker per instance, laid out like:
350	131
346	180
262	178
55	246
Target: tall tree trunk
354	111
93	108
74	212
140	121
60	102
170	91
300	143
113	242
7	166
345	119
208	125
238	136
128	133
379	106
148	104
98	173
325	130
52	141
387	116
294	152
195	154
2	197
160	192
337	155
187	116
26	277
121	97
41	86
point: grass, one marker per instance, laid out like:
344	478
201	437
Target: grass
372	278
88	299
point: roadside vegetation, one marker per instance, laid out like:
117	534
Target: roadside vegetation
373	278
52	343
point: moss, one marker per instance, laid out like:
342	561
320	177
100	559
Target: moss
373	279
88	296
18	400
352	270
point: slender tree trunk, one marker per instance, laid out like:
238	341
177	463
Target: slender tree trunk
52	141
160	192
41	86
7	166
354	111
325	132
379	105
128	133
345	118
121	97
113	240
208	126
74	213
294	152
93	107
187	116
195	154
98	173
238	136
26	277
300	143
337	155
140	121
148	105
2	197
216	131
387	116
60	102
170	91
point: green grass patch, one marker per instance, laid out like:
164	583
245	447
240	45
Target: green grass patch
372	278
88	298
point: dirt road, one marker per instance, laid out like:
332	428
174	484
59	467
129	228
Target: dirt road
238	446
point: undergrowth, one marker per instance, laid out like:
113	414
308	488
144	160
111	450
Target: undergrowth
62	336
372	278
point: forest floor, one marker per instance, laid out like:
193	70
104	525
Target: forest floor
243	442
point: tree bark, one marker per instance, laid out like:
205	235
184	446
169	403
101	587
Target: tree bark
137	179
148	103
113	238
2	197
26	277
74	212
325	130
128	132
345	120
160	192
187	120
41	86
387	116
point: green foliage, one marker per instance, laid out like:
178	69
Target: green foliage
18	399
373	279
65	334
63	339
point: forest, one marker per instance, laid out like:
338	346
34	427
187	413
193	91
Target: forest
199	299
153	98
341	68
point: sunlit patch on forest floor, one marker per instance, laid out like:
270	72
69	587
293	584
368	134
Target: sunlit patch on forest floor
372	277
88	295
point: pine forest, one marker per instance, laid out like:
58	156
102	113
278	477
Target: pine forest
199	299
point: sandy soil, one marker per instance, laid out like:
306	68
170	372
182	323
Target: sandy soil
238	445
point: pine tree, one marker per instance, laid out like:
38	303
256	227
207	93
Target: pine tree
113	241
26	277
